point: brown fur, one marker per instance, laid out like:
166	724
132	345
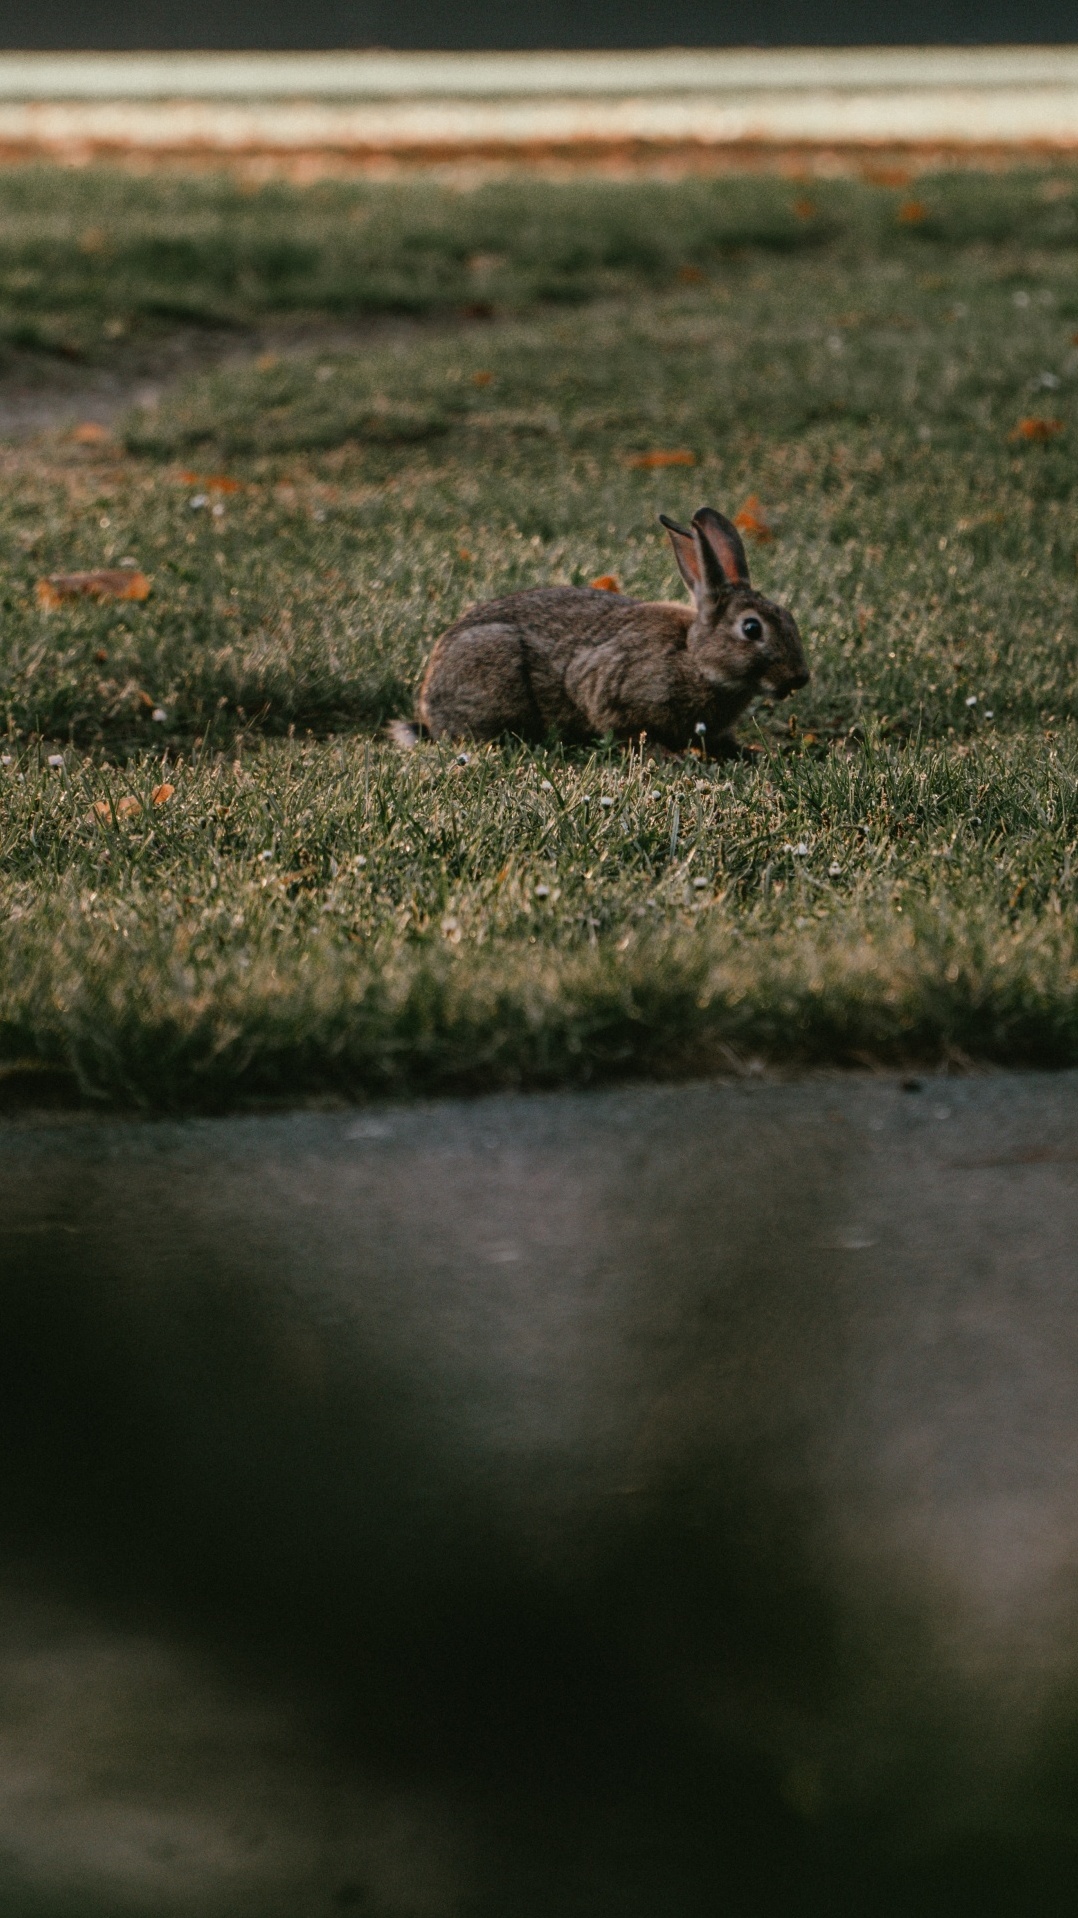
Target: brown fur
582	663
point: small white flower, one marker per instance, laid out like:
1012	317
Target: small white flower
606	801
700	727
972	700
361	859
1049	380
655	795
988	713
56	759
198	499
542	892
801	851
834	869
5	759
700	884
217	509
545	786
160	715
265	855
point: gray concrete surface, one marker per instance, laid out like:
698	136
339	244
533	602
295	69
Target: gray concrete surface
654	1501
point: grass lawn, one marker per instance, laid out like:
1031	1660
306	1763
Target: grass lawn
219	885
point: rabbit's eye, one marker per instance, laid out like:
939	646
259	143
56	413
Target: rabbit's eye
752	628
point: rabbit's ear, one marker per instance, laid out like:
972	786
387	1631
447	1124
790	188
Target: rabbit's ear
723	541
687	553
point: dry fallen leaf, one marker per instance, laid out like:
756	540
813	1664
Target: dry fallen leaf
125	808
1036	429
607	583
91	433
752	520
678	458
912	212
213	483
129	807
119	582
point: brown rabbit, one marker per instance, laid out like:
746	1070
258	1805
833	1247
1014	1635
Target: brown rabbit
580	663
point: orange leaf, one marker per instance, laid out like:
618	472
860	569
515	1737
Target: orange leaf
128	806
162	794
752	520
680	458
1035	429
118	582
482	379
805	209
691	275
912	212
213	482
607	583
91	433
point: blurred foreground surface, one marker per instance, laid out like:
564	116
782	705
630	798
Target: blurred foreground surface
658	1501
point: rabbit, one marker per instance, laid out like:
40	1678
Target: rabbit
582	663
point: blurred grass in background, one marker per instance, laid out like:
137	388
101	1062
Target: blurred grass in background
82	249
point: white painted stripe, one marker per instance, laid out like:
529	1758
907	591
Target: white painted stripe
381	75
231	102
1045	114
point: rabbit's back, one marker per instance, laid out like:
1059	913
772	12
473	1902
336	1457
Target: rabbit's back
544	660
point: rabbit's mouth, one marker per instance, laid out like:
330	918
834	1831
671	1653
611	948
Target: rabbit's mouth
781	685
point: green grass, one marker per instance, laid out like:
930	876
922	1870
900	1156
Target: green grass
888	877
84	251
